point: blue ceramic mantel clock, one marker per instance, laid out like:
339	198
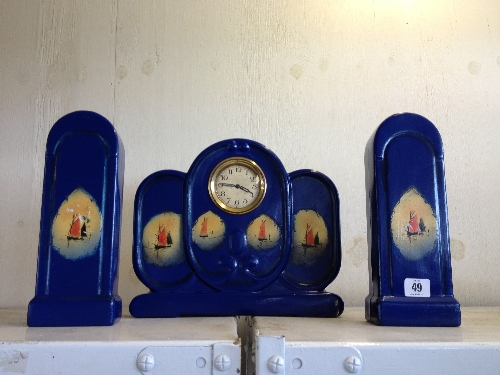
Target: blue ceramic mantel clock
77	274
236	235
410	265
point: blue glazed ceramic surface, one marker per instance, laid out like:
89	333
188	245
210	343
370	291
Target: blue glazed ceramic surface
80	225
201	258
410	267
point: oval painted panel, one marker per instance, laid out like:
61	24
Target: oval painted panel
76	228
208	231
414	226
263	233
162	241
310	238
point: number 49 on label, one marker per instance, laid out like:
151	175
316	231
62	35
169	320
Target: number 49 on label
417	288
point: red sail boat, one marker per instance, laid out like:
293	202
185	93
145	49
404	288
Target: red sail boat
77	229
262	231
413	226
309	236
161	237
311	240
204	228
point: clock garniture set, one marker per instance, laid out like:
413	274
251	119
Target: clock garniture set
238	235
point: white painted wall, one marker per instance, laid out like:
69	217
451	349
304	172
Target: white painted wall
309	79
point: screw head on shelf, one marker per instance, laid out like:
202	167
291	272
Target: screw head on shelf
145	362
276	364
352	364
222	362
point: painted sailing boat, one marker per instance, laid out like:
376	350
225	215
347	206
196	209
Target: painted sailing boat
164	239
204	228
311	240
78	228
262	231
415	226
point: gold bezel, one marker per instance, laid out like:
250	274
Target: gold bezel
237	161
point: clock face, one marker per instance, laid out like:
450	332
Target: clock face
237	185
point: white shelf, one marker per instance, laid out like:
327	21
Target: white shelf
181	345
305	346
321	346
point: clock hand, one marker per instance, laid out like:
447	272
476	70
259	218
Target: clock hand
237	186
244	189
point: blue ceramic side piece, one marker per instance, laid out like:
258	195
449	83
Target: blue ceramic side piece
410	266
204	257
77	274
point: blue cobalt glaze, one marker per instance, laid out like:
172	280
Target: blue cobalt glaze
200	258
77	274
410	266
316	211
240	266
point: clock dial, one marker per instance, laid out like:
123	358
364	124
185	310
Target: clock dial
237	185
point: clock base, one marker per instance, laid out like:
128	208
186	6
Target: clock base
173	305
443	311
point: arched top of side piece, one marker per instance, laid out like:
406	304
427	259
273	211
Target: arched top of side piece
87	122
406	124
